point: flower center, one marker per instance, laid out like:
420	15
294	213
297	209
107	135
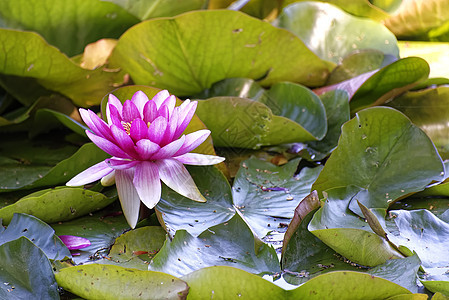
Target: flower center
127	126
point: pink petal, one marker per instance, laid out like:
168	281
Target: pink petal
160	97
149	112
107	146
90	175
157	129
147	183
123	140
175	176
199	159
114	116
163	111
120	164
139	130
74	242
145	148
193	140
170	131
140	99
130	111
169	150
128	196
98	126
170	103
186	112
114	101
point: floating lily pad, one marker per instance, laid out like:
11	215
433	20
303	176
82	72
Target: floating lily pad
188	53
101	229
29	55
68	25
428	109
371	154
229	244
55	205
332	33
108	282
43	162
42	235
25	271
348	234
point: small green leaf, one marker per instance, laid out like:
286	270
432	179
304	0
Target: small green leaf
113	282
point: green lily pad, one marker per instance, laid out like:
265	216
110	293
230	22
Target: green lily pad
433	52
114	282
360	62
337	113
100	228
43	116
420	22
370	155
339	284
43	162
376	87
140	242
229	244
28	55
245	123
57	204
149	9
178	212
332	33
42	235
304	256
298	104
264	194
348	234
25	272
233	87
84	21
428	109
267	195
207	46
360	8
437	287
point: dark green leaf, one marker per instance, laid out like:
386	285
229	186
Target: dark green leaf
42	235
25	272
370	155
229	244
67	24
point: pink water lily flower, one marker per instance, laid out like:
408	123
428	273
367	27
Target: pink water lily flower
144	138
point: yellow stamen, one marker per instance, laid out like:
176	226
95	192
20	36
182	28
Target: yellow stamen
127	127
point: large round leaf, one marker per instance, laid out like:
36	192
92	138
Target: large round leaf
113	282
332	33
187	53
371	155
228	244
67	24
